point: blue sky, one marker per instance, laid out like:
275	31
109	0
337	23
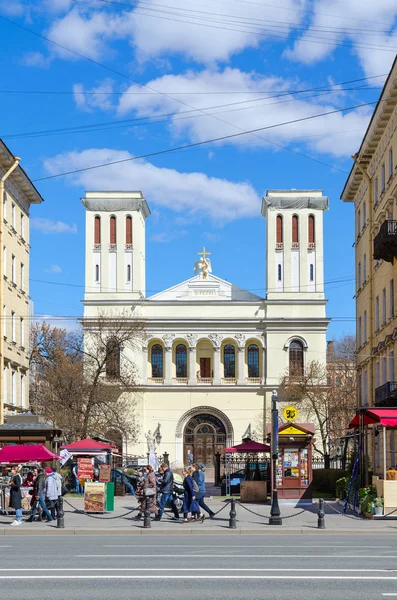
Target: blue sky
214	69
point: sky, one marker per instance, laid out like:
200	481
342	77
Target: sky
98	81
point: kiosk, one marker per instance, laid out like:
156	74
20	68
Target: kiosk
294	464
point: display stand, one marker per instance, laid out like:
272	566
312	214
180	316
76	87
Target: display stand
294	464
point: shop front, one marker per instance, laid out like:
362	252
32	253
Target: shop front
294	464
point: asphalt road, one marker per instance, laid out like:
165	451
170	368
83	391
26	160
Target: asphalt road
199	567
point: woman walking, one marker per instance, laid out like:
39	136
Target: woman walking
190	504
16	495
150	490
139	492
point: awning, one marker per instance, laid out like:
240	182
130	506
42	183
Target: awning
248	447
383	416
88	445
26	453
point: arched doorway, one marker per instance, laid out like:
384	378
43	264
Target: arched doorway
204	435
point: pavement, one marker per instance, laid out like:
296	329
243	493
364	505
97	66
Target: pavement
99	567
251	519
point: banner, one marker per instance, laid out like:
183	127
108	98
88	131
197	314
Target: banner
94	497
65	455
104	473
85	468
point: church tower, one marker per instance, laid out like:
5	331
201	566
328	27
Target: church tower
115	245
294	244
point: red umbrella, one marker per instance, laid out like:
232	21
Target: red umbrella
88	445
248	447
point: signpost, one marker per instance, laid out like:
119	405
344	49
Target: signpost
290	413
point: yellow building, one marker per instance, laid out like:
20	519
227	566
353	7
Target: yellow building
18	193
372	186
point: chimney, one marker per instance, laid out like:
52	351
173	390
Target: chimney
330	349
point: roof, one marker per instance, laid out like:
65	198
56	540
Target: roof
113	201
89	445
28	427
26	453
371	416
19	176
377	125
248	447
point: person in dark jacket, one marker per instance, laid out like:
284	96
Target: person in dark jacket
16	495
139	492
38	498
199	478
166	491
190	504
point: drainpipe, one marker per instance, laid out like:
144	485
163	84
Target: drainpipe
2	180
364	441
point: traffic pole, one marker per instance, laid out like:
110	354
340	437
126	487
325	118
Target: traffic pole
147	523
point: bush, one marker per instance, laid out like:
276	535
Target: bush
324	480
366	496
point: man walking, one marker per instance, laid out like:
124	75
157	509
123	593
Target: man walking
199	478
166	491
39	498
51	491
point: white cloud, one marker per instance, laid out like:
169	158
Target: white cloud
12	9
96	97
54	269
48	226
250	111
36	59
190	194
164	237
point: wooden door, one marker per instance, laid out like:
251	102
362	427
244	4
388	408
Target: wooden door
205	448
205	368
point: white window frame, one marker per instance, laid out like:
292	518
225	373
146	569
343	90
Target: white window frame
22	277
13	269
377	313
22	331
13	214
391	167
22	225
384	306
13	327
13	388
383	177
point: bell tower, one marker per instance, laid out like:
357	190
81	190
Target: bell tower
115	245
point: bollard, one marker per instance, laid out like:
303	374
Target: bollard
147	521
232	515
60	514
321	514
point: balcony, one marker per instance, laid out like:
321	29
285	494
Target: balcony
385	242
156	380
180	380
205	380
386	394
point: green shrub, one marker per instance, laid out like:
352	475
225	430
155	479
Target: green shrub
324	480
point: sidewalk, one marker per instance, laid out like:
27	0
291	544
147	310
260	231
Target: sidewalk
295	520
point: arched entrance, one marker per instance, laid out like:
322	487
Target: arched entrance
204	435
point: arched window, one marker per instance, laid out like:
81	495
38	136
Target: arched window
157	360
229	361
128	230
279	231
253	360
311	273
128	273
181	360
97	230
113	229
295	231
296	359
278	272
96	272
112	359
311	233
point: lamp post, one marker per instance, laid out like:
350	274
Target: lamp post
275	515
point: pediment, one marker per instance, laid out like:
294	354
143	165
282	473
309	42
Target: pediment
211	289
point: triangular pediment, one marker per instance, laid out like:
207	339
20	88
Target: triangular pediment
197	289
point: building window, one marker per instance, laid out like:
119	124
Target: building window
377	374
22	226
13	215
358	222
5	386
311	231
383	306
365	327
229	361
4	261
364	214
181	360
366	388
384	369
5	206
97	230
377	313
376	191
112	359
157	360
390	163
22	332
311	273
296	359
22	390
295	231
128	273
360	341
391	365
13	327
359	388
22	277
391	288
4	321
358	275
113	229
96	273
13	273
278	272
253	360
383	178
365	267
128	230
13	388
279	231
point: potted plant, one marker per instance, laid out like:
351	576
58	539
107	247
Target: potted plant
378	506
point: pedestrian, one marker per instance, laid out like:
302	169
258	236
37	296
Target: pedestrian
16	495
150	490
190	457
190	504
51	491
166	490
199	478
29	480
139	492
59	479
38	498
78	487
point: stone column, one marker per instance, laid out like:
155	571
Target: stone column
241	365
192	366
145	359
217	365
168	366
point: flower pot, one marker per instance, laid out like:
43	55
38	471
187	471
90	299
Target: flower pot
378	511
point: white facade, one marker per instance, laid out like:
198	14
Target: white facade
214	352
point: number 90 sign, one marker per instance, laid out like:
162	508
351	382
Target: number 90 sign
290	413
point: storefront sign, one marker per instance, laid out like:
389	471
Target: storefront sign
85	468
104	473
290	413
94	497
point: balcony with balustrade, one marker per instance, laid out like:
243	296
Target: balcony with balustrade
385	242
386	394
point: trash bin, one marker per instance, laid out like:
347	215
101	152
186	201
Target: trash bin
109	496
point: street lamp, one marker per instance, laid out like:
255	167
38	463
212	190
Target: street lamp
157	435
275	515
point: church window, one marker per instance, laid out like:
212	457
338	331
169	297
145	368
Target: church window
128	273
96	272
296	358
278	272
157	361
181	360
253	360
97	230
312	239
229	359
279	231
112	359
113	230
311	273
295	231
128	230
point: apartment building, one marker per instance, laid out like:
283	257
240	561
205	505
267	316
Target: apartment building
18	194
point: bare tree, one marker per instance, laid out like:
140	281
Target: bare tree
83	381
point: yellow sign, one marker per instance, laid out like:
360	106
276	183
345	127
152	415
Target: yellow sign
290	413
291	430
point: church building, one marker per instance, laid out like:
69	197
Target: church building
213	351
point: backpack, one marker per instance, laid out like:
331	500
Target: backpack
196	488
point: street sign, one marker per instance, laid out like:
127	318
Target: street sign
290	413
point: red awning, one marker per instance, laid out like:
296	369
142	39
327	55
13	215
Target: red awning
383	416
88	445
249	446
26	453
